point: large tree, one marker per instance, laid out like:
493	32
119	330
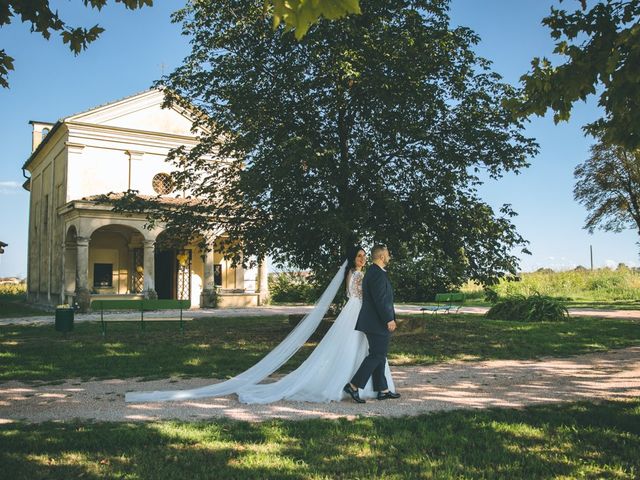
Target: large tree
372	128
44	20
600	51
608	185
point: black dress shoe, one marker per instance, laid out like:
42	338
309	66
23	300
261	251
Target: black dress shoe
386	395
354	393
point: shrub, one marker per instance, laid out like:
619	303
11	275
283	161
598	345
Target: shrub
291	287
532	308
13	291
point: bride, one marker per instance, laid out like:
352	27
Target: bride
322	376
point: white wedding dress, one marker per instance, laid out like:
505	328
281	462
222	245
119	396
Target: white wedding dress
319	379
322	376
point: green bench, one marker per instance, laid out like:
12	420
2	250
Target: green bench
445	302
142	306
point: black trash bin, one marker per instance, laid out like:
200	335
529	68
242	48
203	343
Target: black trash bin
64	319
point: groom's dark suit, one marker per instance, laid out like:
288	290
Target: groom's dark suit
376	312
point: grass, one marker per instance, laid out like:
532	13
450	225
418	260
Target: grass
599	288
577	440
13	302
223	347
472	337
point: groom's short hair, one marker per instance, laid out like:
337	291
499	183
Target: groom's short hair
377	250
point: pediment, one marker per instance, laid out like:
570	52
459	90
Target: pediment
142	112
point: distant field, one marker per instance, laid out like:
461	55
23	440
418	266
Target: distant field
600	288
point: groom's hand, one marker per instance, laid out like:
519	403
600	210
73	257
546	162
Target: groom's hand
391	326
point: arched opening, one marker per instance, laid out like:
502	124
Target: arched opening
116	260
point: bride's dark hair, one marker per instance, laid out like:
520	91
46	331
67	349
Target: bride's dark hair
352	253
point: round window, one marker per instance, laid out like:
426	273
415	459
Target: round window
162	183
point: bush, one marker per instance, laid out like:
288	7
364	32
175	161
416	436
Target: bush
534	308
13	291
291	287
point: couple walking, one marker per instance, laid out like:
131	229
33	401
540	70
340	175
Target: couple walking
350	361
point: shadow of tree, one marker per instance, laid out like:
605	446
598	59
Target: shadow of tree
573	440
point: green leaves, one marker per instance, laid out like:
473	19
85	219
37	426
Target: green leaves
299	15
79	38
6	64
601	49
44	21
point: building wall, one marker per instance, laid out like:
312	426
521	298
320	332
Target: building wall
109	149
45	229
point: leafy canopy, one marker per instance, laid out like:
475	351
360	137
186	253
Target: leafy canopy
374	127
601	51
44	20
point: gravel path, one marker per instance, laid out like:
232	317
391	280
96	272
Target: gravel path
499	383
278	310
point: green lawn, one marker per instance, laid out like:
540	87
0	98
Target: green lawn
577	440
222	347
17	308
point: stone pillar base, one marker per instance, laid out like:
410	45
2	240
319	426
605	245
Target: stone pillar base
150	294
209	298
83	299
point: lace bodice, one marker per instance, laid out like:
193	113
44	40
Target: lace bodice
354	289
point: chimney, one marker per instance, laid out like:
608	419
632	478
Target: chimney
40	130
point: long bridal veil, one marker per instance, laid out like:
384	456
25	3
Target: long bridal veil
265	367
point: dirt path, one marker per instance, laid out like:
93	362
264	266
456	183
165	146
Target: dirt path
499	383
281	310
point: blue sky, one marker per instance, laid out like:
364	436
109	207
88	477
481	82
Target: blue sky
50	83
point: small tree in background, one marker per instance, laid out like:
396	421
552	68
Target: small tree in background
608	185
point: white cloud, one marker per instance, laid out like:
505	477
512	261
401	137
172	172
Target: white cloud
9	187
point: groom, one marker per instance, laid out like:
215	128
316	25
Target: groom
377	320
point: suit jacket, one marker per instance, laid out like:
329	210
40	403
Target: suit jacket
377	302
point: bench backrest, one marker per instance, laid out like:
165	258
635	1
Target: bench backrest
146	304
450	297
116	304
165	304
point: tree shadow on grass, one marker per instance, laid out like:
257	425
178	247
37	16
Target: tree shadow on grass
573	440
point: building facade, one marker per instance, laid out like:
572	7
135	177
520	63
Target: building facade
80	250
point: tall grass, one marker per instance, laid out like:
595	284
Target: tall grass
13	291
580	285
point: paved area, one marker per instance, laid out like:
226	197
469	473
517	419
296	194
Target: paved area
280	310
499	383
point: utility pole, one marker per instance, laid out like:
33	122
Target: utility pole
591	252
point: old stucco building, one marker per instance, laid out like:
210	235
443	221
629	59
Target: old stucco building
80	250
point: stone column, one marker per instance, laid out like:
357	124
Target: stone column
83	295
263	282
63	274
149	262
239	280
209	288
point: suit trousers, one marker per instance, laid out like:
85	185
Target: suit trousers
374	364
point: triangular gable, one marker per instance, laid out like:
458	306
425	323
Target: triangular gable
139	112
